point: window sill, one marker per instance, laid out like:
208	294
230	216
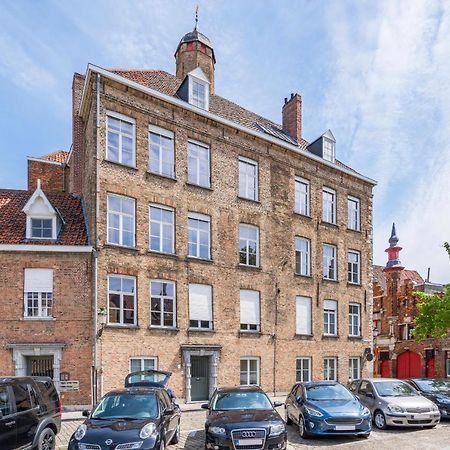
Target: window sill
251	200
304	216
304	337
354	284
354	231
331	337
200	260
328	280
119	326
42	319
118	164
160	175
329	224
306	277
171	330
162	254
201	330
245	267
249	333
354	338
207	188
120	247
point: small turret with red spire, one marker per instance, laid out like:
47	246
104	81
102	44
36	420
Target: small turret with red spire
393	251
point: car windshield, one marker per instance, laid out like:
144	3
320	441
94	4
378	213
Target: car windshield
433	385
226	401
127	406
327	392
394	389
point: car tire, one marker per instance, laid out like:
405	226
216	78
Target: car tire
176	437
364	436
287	419
430	426
379	420
46	440
302	428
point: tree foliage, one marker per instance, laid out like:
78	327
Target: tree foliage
447	247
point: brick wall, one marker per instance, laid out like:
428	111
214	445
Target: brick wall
52	175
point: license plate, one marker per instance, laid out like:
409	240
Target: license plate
249	441
421	416
345	427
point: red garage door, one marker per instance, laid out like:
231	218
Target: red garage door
408	365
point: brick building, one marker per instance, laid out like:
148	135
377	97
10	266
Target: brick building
397	354
45	278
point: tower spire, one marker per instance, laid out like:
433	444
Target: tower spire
196	18
393	240
393	252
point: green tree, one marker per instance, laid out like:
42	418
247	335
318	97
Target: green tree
447	247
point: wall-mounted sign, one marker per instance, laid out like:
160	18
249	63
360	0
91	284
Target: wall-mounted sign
64	376
70	385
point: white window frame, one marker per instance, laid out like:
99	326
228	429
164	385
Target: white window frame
153	129
39	297
301	370
354	268
121	215
447	365
121	322
327	368
326	262
141	359
199	326
249	180
329	207
161	228
354	320
327	314
299	300
301	257
328	155
203	104
300	207
130	121
41	217
248	371
196	173
201	218
247	240
245	326
353	224
161	299
354	365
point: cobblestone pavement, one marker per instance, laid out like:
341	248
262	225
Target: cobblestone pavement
192	437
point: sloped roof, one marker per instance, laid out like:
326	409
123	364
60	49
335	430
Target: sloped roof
57	156
13	219
405	275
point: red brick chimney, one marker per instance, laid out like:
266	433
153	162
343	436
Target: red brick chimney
50	169
292	117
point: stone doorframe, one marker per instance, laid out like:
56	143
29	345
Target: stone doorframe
213	354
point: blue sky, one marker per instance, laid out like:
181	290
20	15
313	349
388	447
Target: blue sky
376	73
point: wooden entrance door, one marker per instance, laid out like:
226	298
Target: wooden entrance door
385	370
199	378
408	365
430	369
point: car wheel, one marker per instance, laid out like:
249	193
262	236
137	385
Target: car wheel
302	428
364	436
430	426
287	419
46	440
379	420
176	436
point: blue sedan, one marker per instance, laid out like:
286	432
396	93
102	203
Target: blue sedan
326	408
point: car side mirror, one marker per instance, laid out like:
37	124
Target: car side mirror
168	411
85	413
277	404
299	399
205	406
370	394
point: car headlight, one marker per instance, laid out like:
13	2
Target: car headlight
365	411
434	407
217	430
80	432
313	412
395	409
147	430
277	429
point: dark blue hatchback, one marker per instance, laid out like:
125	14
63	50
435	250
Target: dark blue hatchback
326	408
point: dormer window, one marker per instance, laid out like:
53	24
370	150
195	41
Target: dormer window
324	146
328	149
198	93
195	89
41	228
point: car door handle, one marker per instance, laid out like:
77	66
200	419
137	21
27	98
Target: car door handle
10	424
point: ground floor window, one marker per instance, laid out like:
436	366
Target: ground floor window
249	371
303	369
448	367
330	369
145	363
354	369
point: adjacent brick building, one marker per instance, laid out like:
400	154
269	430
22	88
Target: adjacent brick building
397	353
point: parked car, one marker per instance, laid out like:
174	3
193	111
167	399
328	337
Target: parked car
326	408
30	413
243	418
140	416
395	403
436	390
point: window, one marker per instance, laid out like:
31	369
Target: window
302	256
249	371
248	178
22	396
303	315
329	205
354	319
199	239
250	313
405	331
354	368
163	307
161	152
447	364
353	213
120	139
248	245
328	149
302	196
330	317
138	364
198	93
162	229
303	369
353	261
329	262
198	164
122	300
41	228
200	306
121	228
38	293
329	369
5	401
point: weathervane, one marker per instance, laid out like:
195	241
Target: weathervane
196	18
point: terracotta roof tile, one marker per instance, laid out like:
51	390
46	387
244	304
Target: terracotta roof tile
380	277
57	156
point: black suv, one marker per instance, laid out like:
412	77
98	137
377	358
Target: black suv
30	413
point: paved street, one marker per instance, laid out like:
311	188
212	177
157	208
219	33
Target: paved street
192	437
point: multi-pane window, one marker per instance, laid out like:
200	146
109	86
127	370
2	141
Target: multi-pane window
41	228
200	306
121	219
250	310
163	306
353	221
162	229
161	151
302	256
447	365
328	149
121	300
354	368
120	139
248	245
329	205
198	93
303	370
248	178
329	369
354	319
198	164
138	364
354	263
303	315
302	202
330	317
38	293
249	373
199	236
405	331
329	262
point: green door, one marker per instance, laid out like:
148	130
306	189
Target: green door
199	378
